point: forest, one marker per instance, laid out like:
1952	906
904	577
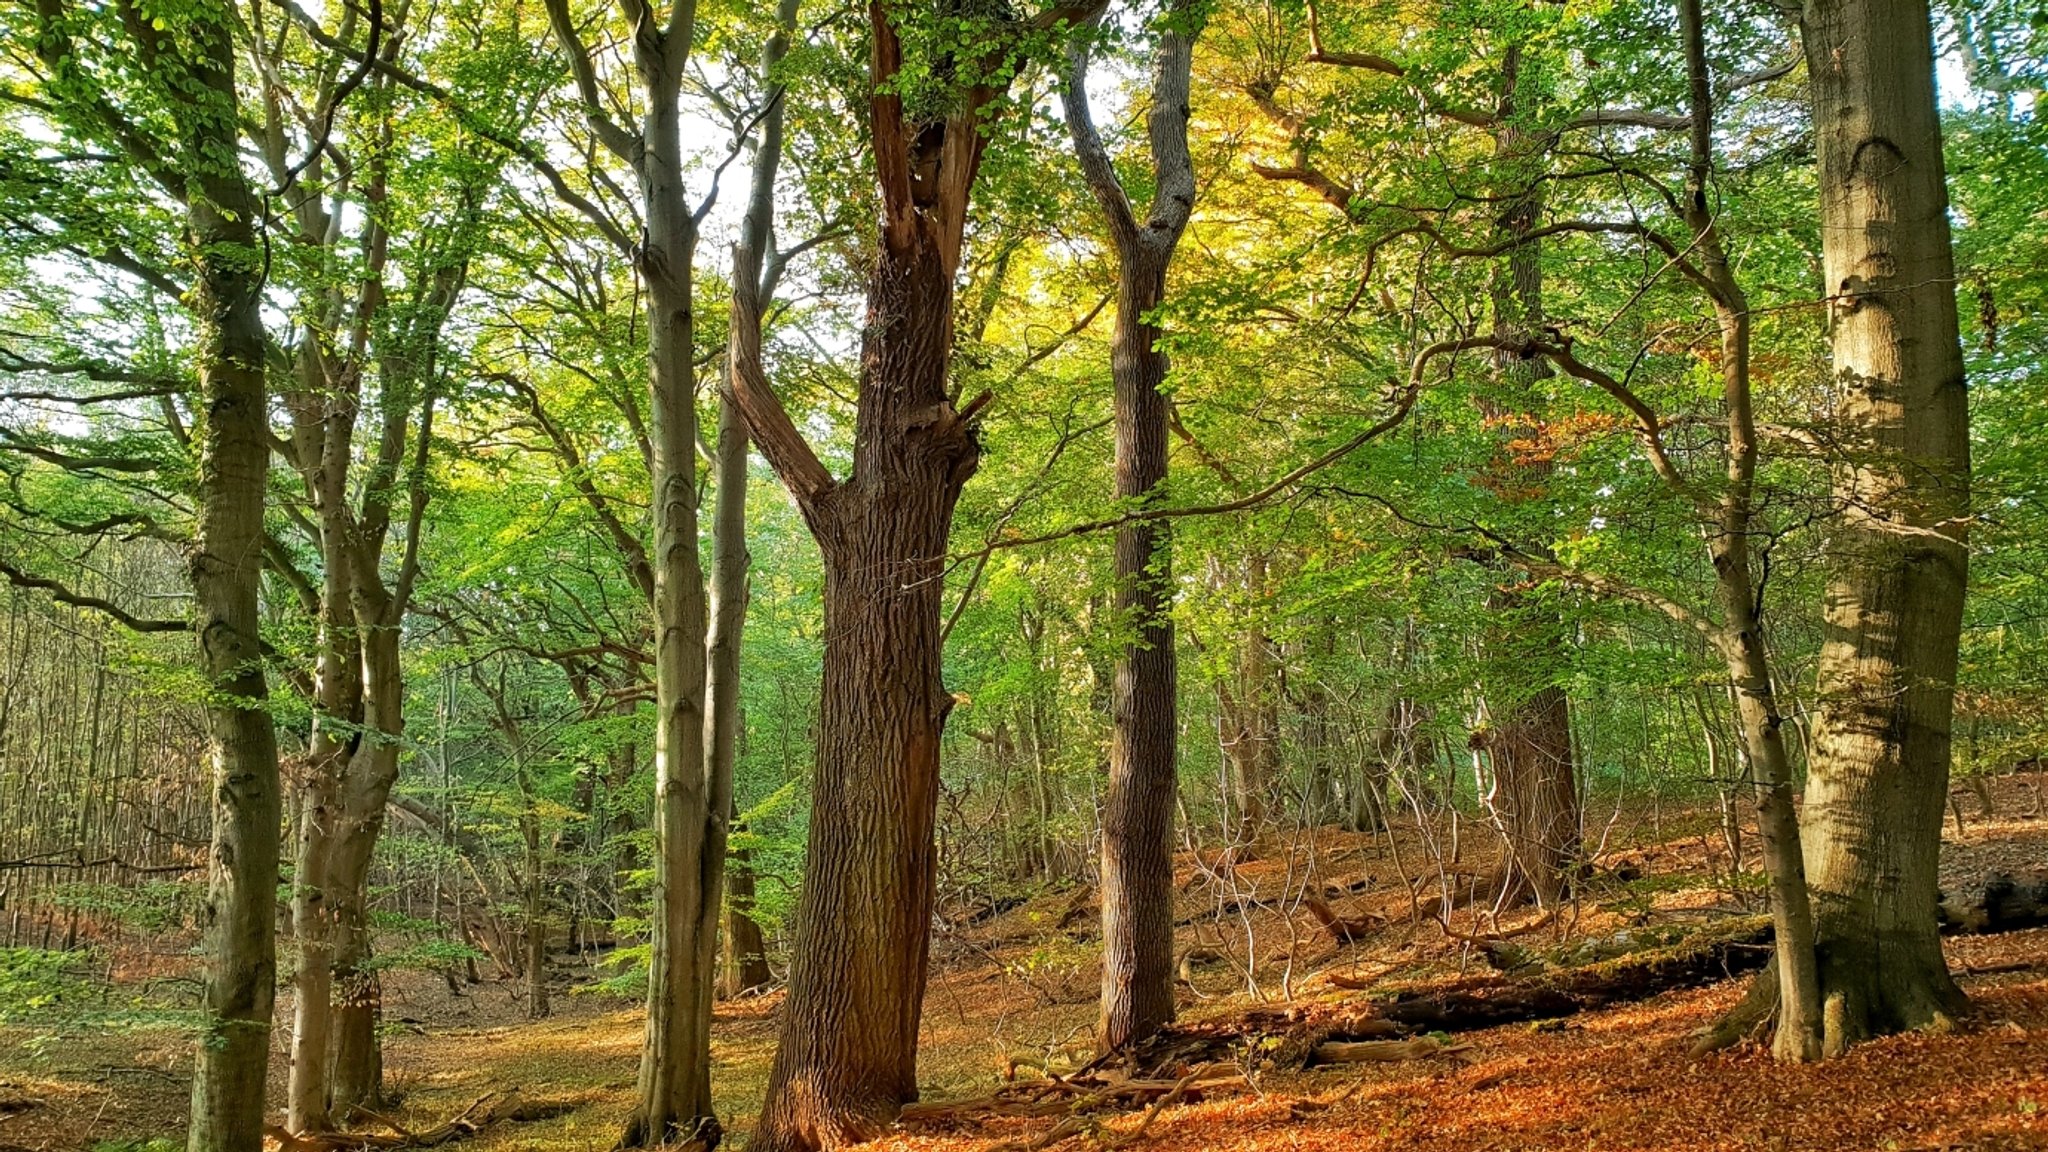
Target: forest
1023	574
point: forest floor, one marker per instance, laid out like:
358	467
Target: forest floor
1016	989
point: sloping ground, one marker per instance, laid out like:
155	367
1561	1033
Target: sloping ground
1013	992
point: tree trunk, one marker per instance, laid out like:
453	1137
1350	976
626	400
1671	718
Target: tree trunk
323	423
1741	637
674	1091
239	918
358	1077
1137	821
1879	773
1536	797
846	1061
746	954
1249	715
535	894
847	1057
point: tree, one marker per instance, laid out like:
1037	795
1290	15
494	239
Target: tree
674	1086
369	360
159	96
1526	738
756	269
1894	602
1137	822
846	1060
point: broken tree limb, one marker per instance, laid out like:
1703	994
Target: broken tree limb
1382	1051
1342	929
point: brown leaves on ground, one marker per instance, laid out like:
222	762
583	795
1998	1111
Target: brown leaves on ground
1009	1003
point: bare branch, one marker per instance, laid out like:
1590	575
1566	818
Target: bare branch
108	608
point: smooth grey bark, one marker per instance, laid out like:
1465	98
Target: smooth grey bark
673	1089
754	276
1893	609
1137	823
238	980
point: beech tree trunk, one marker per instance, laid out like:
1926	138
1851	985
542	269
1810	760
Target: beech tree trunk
1879	774
754	277
323	424
1137	821
675	1068
239	918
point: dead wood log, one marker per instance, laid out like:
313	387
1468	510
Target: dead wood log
481	1114
1342	929
1703	958
1382	1051
1081	1098
2003	903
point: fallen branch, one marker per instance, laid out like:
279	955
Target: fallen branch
2005	903
1083	1098
1382	1051
1342	929
485	1111
1702	958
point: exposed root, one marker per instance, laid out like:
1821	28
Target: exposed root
1750	1019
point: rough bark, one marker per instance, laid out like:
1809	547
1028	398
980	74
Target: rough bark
846	1061
1137	823
1894	601
745	966
1535	801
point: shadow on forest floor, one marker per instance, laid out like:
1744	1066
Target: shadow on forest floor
1015	990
